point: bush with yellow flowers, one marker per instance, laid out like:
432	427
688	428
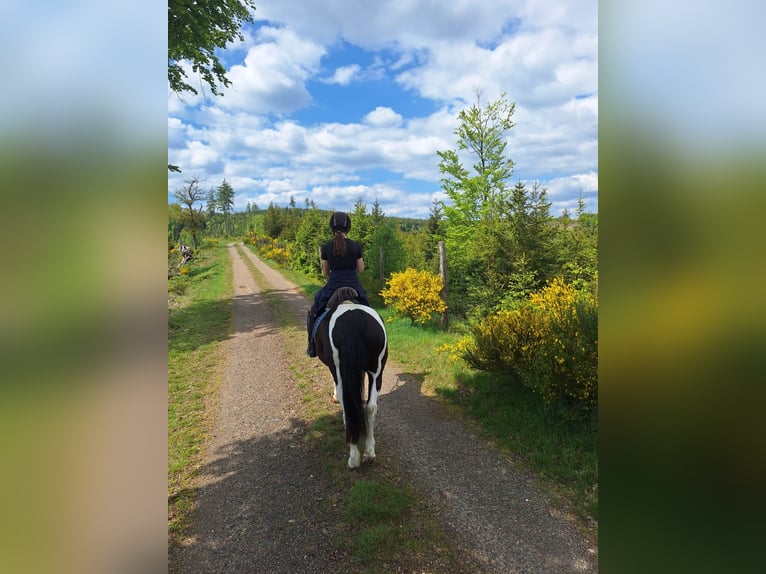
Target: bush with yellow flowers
550	344
414	294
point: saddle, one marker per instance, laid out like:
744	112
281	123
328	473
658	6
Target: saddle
341	295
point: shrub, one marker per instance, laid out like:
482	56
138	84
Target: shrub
414	294
550	344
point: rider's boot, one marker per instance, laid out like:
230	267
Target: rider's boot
310	318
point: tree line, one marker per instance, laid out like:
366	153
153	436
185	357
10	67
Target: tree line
502	241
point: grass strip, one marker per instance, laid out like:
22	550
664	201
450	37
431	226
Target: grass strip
199	321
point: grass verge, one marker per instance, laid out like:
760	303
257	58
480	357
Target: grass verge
199	320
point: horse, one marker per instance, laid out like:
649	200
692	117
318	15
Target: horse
351	340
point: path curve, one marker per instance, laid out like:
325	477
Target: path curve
261	491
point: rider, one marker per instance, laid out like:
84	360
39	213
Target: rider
341	263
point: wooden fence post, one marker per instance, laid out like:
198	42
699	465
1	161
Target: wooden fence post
380	264
443	275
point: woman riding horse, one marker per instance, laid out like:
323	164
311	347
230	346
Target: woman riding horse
341	263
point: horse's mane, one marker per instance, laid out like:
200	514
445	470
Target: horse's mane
341	295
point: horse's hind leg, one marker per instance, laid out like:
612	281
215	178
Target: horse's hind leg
370	410
354	459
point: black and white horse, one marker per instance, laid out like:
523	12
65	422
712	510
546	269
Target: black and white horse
352	341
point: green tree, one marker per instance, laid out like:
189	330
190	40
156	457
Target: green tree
196	29
361	227
474	230
273	221
388	238
226	204
576	248
376	214
312	232
212	202
189	195
434	233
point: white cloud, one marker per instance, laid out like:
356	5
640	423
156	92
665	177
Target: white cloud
564	192
383	117
344	75
273	75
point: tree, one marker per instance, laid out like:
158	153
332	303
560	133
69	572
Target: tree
188	196
312	232
434	231
196	28
212	202
226	203
361	228
475	233
376	214
481	133
386	237
273	221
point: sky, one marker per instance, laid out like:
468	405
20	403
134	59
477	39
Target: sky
335	101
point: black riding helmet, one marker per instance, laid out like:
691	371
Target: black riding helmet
340	222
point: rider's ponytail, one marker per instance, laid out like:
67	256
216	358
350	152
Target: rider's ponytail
339	244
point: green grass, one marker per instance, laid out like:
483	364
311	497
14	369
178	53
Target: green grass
199	319
379	515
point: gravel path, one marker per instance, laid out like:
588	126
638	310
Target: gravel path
262	491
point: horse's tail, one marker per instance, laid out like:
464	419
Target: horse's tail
352	381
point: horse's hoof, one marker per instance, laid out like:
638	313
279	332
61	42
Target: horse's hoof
368	457
335	399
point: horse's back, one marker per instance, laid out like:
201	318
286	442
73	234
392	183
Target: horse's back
351	323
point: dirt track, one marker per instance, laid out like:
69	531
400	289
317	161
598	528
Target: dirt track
262	492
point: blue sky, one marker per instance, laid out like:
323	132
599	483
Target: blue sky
338	100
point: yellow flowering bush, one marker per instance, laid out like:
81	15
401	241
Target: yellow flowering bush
414	294
268	247
456	351
550	344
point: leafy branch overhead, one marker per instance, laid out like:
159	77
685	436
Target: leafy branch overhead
195	29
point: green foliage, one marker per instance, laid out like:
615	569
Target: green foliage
312	232
199	316
361	225
386	237
225	201
378	512
550	345
471	229
189	195
415	294
269	248
273	221
195	31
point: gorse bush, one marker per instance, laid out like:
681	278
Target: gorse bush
550	344
414	294
269	248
